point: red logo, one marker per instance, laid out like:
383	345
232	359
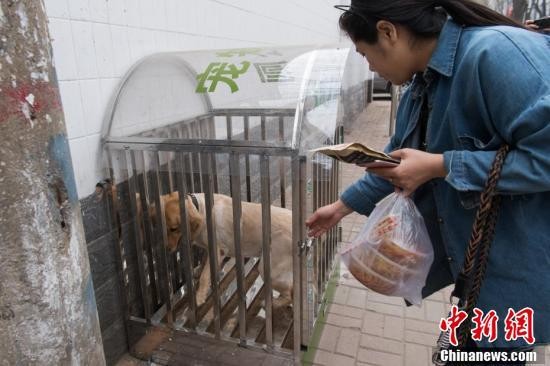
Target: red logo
452	323
519	325
485	326
516	325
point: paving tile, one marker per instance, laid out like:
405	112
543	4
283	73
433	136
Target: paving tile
385	308
373	296
435	310
357	297
422	326
341	294
348	343
420	338
382	344
373	323
349	311
415	312
379	358
416	355
322	357
341	360
329	337
394	327
343	321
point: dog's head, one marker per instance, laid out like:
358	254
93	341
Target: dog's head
173	219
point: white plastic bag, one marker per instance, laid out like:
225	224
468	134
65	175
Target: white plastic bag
393	253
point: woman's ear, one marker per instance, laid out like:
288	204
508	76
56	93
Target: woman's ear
386	31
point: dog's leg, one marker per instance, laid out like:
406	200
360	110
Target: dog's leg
204	282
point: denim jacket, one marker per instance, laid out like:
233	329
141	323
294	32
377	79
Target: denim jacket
485	86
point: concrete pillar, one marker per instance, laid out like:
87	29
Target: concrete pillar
48	314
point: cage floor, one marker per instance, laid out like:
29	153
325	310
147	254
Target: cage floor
229	320
164	347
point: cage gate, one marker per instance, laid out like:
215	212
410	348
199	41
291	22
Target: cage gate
195	183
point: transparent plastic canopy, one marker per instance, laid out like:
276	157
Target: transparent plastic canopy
292	97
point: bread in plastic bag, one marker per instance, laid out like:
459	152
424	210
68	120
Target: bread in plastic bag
393	253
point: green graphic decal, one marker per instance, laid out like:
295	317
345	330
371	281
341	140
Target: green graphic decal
220	71
248	51
270	72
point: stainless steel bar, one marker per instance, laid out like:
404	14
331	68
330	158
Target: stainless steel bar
304	283
212	244
229	126
170	172
282	172
119	253
254	111
262	128
185	241
162	240
266	246
296	251
234	172
152	256
326	238
211	134
203	145
130	162
247	160
318	241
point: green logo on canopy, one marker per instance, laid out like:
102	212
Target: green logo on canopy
220	72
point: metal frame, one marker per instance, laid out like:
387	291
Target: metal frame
165	289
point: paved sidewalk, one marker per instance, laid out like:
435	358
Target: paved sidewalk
363	327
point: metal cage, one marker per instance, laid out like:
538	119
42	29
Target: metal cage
254	150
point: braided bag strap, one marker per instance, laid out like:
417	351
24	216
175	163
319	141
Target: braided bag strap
477	254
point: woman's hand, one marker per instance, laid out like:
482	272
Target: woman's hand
416	168
530	24
326	217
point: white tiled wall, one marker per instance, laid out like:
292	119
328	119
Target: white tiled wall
96	41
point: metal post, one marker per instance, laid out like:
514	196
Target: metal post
266	247
296	249
185	241
234	172
212	246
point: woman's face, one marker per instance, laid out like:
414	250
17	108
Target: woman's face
394	56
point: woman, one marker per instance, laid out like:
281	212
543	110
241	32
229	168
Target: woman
478	80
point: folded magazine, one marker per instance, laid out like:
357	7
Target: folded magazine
357	153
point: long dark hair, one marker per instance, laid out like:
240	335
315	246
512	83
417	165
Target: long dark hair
423	18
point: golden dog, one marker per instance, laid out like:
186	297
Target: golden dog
251	236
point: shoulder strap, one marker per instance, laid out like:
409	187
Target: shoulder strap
469	280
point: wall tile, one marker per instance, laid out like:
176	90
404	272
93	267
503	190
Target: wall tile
57	8
79	9
133	15
91	105
103	50
121	50
63	50
117	12
85	52
97	163
136	43
71	100
80	157
99	11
